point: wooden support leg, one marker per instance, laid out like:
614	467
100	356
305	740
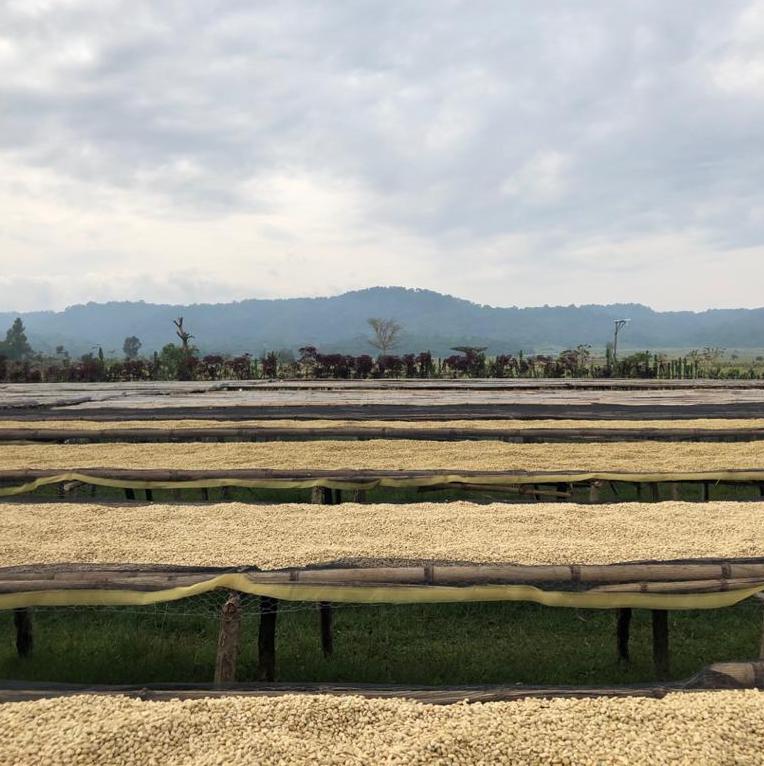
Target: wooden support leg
639	492
655	493
661	643
623	630
266	639
149	496
321	496
22	620
205	494
325	496
705	492
327	639
129	493
675	490
228	641
225	493
594	492
359	496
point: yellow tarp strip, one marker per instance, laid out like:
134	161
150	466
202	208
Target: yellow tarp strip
383	481
396	594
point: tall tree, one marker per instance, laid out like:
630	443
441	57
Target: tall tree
386	332
16	345
131	347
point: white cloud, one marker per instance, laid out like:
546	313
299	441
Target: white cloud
519	155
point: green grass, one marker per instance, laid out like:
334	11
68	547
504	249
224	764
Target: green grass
433	644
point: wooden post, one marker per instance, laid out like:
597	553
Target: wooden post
205	494
661	643
327	639
228	640
129	493
359	496
623	630
325	496
674	490
225	493
321	496
655	494
337	496
639	492
705	492
594	492
22	620
149	496
266	639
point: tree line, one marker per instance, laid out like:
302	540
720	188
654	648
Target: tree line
19	363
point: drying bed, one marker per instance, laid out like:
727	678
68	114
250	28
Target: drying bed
687	728
702	424
668	556
391	454
350	534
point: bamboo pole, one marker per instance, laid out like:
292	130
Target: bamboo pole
228	640
22	620
266	639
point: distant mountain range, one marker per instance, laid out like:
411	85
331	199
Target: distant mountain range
430	321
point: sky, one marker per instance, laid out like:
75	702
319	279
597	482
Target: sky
510	152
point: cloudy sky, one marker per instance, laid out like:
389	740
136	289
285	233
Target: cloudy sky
508	151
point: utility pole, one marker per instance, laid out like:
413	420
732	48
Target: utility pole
619	325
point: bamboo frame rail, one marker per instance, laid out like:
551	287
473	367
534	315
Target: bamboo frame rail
719	676
706	575
19	481
262	434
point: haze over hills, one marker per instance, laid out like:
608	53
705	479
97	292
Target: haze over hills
430	320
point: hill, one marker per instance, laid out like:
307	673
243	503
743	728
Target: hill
430	320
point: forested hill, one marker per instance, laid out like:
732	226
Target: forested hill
430	321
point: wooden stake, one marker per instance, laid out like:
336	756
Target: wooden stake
228	640
266	639
327	639
324	496
661	643
623	630
22	619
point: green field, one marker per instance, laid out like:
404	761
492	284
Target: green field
437	644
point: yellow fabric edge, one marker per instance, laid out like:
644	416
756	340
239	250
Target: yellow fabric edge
384	481
396	594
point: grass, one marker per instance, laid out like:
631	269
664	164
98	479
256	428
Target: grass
431	644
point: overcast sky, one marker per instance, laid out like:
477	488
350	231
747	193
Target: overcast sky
513	153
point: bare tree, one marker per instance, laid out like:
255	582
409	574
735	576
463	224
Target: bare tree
183	334
386	332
